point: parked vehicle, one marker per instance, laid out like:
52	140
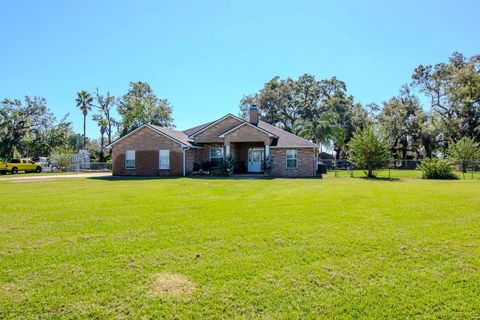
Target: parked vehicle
16	165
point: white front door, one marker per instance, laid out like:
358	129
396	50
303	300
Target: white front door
255	159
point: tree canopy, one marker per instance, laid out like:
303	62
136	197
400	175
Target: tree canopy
140	105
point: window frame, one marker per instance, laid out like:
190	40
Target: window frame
134	159
220	158
287	158
160	159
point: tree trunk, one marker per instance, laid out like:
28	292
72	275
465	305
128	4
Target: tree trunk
337	153
84	130
370	170
109	136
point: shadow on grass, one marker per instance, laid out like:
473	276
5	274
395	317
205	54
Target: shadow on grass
142	178
378	179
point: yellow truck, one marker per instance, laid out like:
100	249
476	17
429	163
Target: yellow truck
16	165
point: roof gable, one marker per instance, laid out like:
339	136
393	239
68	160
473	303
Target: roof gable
174	135
199	129
246	123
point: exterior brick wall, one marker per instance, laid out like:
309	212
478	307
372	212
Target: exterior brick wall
212	134
305	163
247	134
147	144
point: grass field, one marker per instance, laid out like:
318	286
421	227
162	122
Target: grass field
213	248
398	174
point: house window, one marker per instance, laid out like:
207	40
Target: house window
292	159
164	156
130	159
216	156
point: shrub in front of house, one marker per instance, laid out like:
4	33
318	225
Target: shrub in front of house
267	166
226	166
437	169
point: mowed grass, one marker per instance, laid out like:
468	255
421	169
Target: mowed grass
281	248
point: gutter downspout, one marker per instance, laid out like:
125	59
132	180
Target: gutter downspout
184	160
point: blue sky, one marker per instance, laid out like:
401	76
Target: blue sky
204	55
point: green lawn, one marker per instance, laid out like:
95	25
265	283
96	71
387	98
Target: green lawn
398	174
298	248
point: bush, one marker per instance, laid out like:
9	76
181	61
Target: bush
267	166
63	157
369	150
466	151
437	169
227	166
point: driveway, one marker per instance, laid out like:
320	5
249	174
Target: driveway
57	176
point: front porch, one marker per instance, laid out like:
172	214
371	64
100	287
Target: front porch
248	157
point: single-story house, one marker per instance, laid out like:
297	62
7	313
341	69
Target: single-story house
157	151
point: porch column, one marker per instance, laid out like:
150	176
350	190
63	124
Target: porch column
267	151
227	150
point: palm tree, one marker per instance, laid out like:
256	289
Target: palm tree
320	130
103	124
84	102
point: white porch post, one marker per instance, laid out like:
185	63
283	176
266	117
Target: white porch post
267	151
227	150
184	162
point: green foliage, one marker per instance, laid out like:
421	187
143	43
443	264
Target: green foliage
454	91
437	169
369	150
104	103
30	128
63	157
465	150
84	102
402	121
226	166
140	106
267	166
321	111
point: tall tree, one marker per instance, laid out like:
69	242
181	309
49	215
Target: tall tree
369	150
465	151
401	120
454	92
84	102
23	126
104	103
140	105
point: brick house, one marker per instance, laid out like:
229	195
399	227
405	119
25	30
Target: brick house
156	151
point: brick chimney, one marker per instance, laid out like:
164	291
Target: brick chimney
253	114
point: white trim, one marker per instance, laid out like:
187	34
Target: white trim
215	122
290	147
151	128
267	151
286	159
134	160
184	163
251	125
227	150
160	159
210	153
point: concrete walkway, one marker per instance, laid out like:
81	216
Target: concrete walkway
31	176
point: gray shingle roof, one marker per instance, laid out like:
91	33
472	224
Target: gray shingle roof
180	136
190	131
285	139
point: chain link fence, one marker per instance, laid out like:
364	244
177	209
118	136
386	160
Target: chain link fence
397	169
90	167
